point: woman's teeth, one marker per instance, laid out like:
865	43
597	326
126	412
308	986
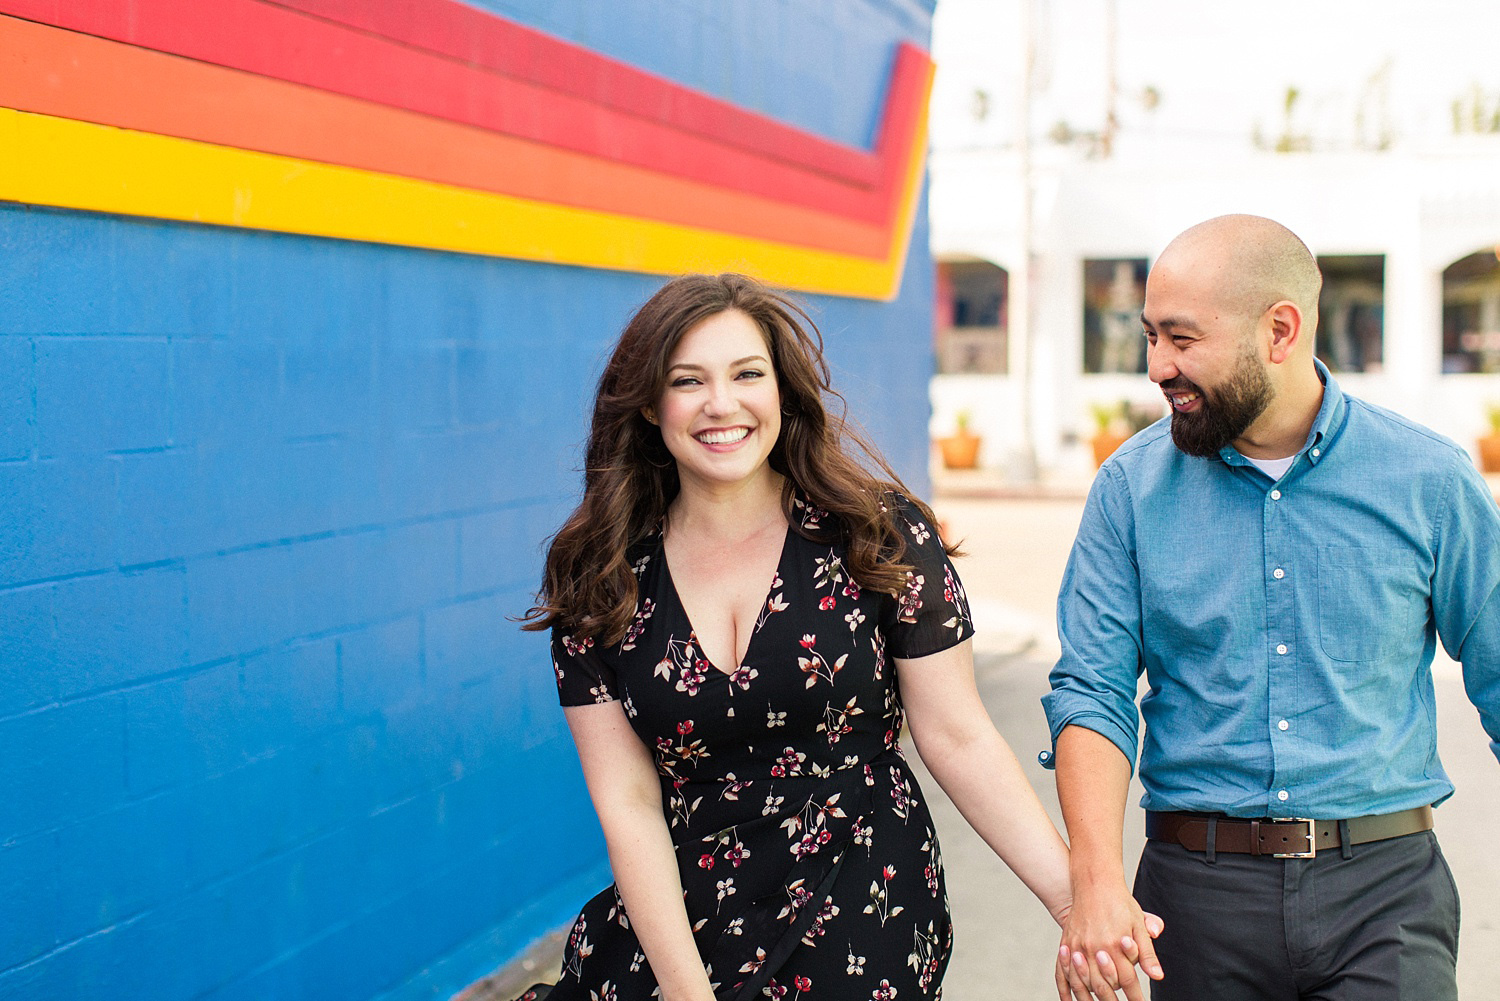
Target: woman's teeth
722	437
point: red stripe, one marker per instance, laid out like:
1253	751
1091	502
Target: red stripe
276	42
482	39
66	74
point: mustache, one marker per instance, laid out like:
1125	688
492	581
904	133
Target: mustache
1179	385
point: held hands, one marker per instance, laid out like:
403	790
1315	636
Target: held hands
1105	936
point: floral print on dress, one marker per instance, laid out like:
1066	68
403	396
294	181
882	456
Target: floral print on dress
806	853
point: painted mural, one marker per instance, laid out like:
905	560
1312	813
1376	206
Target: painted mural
301	307
433	124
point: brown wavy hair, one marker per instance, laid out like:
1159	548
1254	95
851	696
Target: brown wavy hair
630	477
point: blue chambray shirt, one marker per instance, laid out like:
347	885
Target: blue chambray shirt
1286	629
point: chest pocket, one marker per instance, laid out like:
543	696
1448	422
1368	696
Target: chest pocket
1370	600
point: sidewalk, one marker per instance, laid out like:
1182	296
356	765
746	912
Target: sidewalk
1016	547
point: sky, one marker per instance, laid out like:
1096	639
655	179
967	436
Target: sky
1366	70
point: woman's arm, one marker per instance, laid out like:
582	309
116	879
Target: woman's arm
971	761
627	796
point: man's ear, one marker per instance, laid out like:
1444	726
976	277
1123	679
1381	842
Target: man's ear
1285	319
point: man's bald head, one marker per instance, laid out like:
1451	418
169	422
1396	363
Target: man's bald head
1253	262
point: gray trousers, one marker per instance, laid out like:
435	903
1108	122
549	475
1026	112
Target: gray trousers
1380	925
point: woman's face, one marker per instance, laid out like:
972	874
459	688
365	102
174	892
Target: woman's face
720	411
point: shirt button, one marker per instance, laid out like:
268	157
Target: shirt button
1276	495
1317	452
1282	725
1283	795
1044	757
1278	573
1281	649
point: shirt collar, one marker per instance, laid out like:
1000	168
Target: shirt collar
1320	438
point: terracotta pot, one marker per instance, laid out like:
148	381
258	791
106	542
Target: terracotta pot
1489	453
960	451
1105	443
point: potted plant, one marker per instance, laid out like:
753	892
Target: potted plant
960	450
1116	422
1489	445
1110	429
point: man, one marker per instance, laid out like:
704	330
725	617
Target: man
1279	562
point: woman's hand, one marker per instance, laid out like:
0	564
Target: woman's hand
1096	958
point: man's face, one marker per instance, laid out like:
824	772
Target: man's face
1205	360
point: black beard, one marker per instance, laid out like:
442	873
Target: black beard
1225	414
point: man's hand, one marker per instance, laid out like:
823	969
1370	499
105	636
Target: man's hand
1105	937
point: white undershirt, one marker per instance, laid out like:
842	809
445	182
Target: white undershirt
1273	467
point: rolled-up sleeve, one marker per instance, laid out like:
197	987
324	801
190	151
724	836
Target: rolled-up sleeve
1099	624
1466	592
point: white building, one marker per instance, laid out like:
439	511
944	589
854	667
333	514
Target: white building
1408	237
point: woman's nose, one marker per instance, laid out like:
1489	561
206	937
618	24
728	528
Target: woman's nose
721	399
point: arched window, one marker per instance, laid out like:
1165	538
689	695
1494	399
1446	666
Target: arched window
971	322
1471	313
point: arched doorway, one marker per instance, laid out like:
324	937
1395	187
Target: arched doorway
971	325
1471	313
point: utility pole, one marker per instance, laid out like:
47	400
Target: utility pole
1112	77
1023	285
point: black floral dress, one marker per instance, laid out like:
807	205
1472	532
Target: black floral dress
808	857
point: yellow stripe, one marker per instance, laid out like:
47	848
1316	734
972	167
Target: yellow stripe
79	165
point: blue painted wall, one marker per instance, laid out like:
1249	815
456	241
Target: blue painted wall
265	505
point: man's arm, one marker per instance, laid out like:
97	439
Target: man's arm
1466	592
1092	714
1093	778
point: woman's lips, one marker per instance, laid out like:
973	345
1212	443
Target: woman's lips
722	437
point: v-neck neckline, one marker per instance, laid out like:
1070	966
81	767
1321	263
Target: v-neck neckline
786	543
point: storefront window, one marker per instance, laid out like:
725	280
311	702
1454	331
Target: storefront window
1351	312
1114	291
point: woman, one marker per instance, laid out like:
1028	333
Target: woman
741	614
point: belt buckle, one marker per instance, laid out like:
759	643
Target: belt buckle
1312	839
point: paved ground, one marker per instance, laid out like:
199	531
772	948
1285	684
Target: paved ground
1005	940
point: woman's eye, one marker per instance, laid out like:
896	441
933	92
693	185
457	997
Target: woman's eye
684	380
750	373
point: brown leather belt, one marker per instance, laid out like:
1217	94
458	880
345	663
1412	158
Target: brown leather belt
1284	837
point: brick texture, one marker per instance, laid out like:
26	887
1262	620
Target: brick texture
266	728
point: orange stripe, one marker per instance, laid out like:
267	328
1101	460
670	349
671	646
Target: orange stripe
56	72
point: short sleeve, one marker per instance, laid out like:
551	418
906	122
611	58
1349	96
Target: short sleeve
583	676
931	613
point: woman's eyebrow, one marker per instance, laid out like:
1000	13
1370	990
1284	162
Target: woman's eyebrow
738	361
